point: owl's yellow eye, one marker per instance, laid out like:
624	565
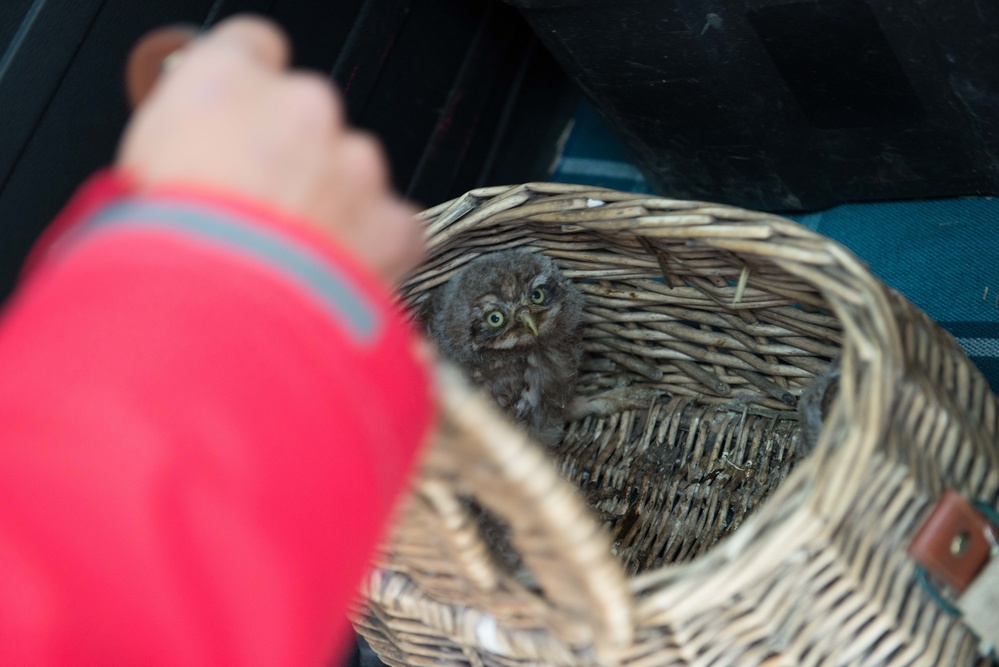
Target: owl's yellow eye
538	295
495	319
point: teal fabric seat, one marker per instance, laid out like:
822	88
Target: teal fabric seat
942	254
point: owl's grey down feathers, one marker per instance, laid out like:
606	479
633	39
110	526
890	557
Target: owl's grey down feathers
815	405
512	321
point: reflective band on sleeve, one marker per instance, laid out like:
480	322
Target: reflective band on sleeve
304	267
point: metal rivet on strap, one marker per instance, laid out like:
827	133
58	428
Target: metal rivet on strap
959	544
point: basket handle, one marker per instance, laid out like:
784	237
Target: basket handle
581	594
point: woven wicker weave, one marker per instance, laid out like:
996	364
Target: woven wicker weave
726	315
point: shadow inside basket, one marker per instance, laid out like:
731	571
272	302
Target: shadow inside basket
715	437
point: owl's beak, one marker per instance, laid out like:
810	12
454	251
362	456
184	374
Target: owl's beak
528	321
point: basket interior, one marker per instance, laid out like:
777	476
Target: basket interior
697	351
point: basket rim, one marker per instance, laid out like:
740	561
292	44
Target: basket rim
870	356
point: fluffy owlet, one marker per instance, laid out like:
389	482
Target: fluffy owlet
814	406
512	321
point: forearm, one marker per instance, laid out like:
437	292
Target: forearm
206	414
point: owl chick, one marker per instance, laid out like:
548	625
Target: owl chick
512	321
814	406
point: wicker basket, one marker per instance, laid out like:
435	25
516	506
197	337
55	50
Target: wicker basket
717	317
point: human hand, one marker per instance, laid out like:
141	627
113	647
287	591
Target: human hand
231	116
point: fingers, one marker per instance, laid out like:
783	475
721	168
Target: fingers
404	246
371	222
255	37
230	116
231	59
360	165
311	104
388	239
155	53
223	59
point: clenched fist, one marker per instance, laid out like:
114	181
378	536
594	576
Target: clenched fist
231	116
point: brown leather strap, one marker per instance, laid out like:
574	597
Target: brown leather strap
953	543
145	62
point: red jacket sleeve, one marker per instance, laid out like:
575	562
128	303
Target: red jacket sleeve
206	415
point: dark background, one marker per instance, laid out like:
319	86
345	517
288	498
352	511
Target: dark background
780	105
460	92
790	105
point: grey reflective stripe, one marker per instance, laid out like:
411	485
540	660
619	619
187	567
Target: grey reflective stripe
296	262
